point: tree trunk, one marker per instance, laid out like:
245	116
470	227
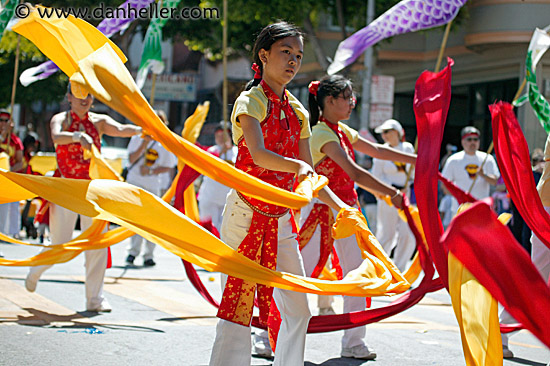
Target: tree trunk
319	54
341	19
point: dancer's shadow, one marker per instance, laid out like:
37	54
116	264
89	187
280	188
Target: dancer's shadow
523	361
43	319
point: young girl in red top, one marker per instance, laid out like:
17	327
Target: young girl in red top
332	144
271	130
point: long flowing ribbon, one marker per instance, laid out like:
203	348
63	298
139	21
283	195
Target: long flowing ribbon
431	104
108	27
515	168
89	58
490	252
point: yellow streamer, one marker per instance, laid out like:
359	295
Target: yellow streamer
147	215
476	312
98	67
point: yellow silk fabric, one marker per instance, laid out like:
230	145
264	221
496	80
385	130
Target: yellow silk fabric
476	312
99	168
191	131
412	273
376	266
152	218
4	161
100	70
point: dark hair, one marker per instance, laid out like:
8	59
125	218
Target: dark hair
269	35
331	85
30	140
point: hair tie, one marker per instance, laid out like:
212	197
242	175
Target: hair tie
314	87
256	68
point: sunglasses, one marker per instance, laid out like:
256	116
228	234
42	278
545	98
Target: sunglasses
470	139
352	99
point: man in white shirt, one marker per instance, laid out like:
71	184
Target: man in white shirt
212	194
463	167
391	231
148	160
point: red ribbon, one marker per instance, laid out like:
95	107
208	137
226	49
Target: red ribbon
257	70
314	87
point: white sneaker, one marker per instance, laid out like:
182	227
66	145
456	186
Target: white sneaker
261	346
103	308
361	351
507	352
31	282
327	311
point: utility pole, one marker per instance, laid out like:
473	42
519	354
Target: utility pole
367	79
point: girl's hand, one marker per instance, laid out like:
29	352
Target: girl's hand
397	200
304	170
86	141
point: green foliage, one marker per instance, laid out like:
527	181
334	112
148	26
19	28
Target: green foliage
47	91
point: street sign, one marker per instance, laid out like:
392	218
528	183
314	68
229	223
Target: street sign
172	87
382	88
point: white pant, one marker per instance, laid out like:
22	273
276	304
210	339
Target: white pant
10	218
135	247
62	223
232	345
212	210
391	231
350	258
4	218
540	255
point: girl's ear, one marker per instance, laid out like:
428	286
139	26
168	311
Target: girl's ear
263	55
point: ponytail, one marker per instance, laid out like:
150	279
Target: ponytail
258	70
314	107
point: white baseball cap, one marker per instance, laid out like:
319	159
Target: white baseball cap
390	124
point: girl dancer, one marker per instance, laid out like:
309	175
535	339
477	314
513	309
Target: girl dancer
271	130
332	144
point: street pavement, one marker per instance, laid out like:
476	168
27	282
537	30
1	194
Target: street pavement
158	318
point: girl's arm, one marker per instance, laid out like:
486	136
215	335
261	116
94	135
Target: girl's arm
267	159
359	175
383	152
326	195
110	127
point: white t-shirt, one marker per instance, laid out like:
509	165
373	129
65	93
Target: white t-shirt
154	156
446	207
461	167
393	172
211	190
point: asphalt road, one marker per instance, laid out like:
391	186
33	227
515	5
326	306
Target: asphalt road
159	319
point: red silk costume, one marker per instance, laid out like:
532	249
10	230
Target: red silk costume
281	136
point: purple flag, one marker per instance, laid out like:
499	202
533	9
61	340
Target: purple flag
107	27
406	16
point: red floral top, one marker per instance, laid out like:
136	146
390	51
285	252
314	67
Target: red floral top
70	157
339	181
281	132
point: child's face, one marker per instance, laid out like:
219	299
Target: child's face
283	60
343	104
